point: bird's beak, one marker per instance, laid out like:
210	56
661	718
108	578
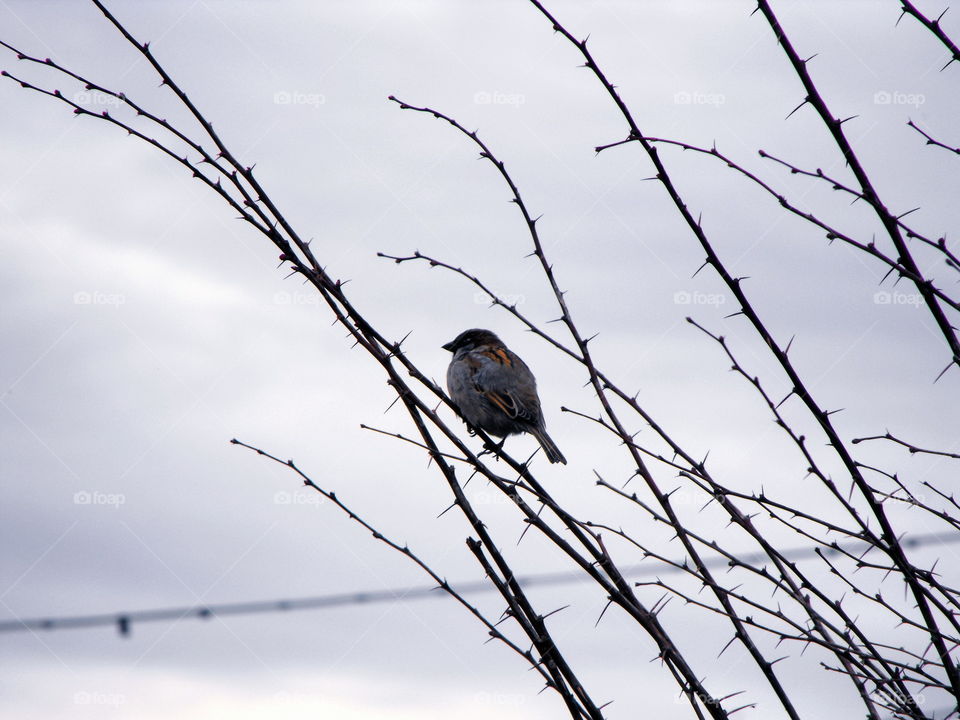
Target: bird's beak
449	346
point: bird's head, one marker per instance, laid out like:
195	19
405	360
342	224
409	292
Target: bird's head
470	339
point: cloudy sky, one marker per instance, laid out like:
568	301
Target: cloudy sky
144	327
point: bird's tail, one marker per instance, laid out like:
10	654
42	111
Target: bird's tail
549	447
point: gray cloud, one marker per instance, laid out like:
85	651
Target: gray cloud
144	327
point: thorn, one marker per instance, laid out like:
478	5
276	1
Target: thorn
787	397
805	101
390	406
453	505
553	612
726	646
955	360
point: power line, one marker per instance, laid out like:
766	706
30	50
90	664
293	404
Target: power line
124	620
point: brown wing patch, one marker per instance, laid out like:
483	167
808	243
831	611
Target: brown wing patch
504	402
498	355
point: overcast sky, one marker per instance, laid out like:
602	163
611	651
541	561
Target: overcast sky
144	328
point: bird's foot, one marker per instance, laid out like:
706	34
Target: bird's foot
493	449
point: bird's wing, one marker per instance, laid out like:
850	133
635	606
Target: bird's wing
507	383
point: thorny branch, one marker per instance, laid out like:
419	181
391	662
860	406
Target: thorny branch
870	195
442	583
934	26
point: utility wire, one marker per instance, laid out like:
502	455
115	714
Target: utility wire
124	620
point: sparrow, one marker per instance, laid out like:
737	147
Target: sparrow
494	389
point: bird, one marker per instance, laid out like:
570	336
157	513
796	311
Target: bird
494	389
